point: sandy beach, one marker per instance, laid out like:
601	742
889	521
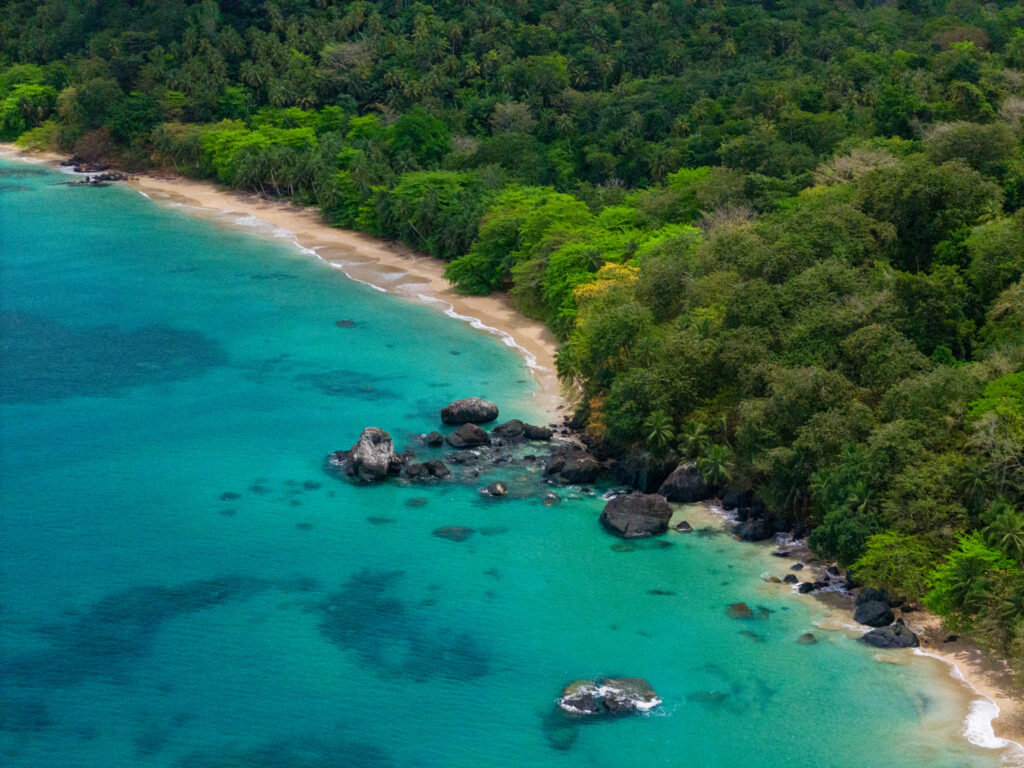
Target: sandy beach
389	267
397	270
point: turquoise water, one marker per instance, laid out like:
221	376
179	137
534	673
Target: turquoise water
184	585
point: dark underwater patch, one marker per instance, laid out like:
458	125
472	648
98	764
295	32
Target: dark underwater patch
16	172
393	636
112	633
354	385
306	751
45	360
14	188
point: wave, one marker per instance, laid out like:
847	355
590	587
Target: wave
977	727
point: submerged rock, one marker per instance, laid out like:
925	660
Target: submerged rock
739	611
428	470
637	515
470	410
453	532
371	459
686	485
807	638
468	436
608	697
894	636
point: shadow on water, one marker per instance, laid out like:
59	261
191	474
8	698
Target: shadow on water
394	637
45	360
106	639
355	385
305	751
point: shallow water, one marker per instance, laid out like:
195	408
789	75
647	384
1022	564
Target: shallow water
184	584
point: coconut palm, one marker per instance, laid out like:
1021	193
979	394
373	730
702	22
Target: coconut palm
1005	529
658	430
714	465
693	439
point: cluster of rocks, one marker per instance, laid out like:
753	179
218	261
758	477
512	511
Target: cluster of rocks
604	697
874	609
99	180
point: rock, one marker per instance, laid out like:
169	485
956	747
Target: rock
437	468
874	613
608	697
551	499
428	470
510	430
807	639
453	532
833	571
796	567
805	587
470	410
542	434
686	485
554	465
951	638
731	499
683	527
771	578
894	636
739	611
754	530
497	488
468	436
636	515
370	459
790	578
869	595
579	467
433	438
820	584
463	457
643	470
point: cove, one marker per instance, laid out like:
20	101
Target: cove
185	585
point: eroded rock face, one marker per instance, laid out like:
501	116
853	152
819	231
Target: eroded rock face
608	697
686	485
637	515
470	410
371	459
468	436
896	635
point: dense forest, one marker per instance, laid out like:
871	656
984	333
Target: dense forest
783	239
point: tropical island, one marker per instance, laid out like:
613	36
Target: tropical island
780	245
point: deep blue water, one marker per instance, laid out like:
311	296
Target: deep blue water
184	585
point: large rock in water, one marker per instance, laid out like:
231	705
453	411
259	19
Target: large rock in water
637	515
470	410
894	636
468	436
874	613
608	697
579	467
686	485
754	530
370	459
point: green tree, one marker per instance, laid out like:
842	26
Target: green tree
897	563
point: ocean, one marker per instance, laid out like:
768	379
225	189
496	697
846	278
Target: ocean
184	582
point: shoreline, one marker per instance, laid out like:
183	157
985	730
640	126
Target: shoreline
384	266
394	269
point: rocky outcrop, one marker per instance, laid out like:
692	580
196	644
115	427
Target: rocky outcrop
428	470
573	467
371	459
637	515
510	430
468	436
643	470
540	434
686	485
754	530
874	613
896	635
608	697
433	439
470	410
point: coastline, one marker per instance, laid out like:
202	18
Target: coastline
394	269
387	267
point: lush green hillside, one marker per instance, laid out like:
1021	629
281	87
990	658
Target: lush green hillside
785	239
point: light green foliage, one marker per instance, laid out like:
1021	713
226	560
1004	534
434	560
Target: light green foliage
962	584
896	563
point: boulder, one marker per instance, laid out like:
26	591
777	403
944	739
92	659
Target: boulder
894	636
470	410
805	587
428	470
437	468
580	467
643	470
497	489
636	515
433	438
468	436
790	578
464	457
731	499
370	459
510	430
683	527
874	613
686	485
608	697
871	595
807	639
531	432
754	530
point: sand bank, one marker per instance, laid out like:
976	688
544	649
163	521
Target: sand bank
388	267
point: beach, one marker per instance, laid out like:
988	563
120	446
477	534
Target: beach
397	270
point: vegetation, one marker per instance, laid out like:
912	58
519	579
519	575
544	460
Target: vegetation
785	240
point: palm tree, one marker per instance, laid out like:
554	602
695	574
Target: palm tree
714	465
1005	529
693	439
974	483
659	431
859	498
